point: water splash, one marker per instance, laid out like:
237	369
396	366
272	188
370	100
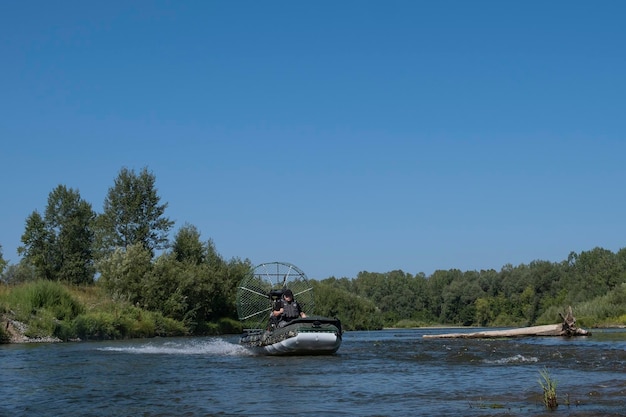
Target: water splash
513	359
216	347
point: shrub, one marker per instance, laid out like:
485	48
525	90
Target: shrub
131	322
64	330
165	326
40	326
96	325
230	326
34	298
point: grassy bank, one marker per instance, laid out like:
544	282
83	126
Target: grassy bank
47	310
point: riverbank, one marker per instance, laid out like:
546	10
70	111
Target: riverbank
16	333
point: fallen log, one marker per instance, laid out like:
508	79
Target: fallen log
567	328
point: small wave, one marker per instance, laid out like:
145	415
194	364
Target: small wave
213	347
513	359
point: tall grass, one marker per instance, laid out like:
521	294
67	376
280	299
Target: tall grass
129	322
46	306
51	309
33	298
548	384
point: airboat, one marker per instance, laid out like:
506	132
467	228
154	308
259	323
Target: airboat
257	294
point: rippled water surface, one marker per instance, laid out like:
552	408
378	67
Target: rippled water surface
382	373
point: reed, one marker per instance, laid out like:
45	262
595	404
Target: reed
548	384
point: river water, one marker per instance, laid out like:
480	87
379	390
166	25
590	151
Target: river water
378	373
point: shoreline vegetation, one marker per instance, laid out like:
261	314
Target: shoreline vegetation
51	312
15	332
46	311
116	274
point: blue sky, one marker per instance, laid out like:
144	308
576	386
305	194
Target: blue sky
339	136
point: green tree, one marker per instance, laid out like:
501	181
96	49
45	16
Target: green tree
489	281
36	250
221	280
123	273
166	288
187	246
484	311
3	263
59	245
460	296
191	283
133	214
355	312
528	305
593	273
19	273
546	279
435	289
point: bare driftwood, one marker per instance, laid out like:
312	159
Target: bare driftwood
567	328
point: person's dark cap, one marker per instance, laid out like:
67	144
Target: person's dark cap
288	293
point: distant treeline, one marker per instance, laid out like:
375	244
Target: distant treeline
126	254
593	282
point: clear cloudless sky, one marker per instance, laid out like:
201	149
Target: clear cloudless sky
340	136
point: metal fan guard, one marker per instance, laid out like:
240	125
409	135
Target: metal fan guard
253	301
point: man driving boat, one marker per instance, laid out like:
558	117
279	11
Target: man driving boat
287	309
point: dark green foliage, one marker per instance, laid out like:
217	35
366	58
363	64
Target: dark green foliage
356	313
593	273
187	246
515	296
398	295
197	290
191	283
229	326
132	215
459	299
36	249
222	326
59	245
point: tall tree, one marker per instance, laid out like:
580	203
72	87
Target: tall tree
187	246
133	214
36	249
59	245
595	272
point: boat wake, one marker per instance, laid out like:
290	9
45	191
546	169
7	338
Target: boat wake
215	347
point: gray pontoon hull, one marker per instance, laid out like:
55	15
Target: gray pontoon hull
310	336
